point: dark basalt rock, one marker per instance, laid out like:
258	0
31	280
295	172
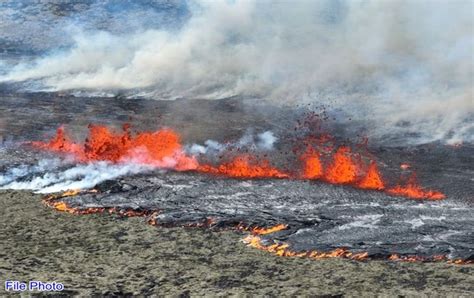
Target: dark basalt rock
319	216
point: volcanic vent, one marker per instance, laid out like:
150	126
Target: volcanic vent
298	190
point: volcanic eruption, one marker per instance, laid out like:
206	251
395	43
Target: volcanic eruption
345	166
314	129
163	149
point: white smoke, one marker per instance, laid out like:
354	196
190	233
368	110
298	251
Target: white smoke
266	140
21	171
48	177
249	141
407	65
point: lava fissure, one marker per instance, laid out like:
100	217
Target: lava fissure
163	149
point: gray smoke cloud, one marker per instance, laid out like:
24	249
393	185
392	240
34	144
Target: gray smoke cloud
405	65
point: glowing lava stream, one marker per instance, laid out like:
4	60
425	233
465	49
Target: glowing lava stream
163	149
284	250
253	240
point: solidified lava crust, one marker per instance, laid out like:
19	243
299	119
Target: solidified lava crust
289	218
318	217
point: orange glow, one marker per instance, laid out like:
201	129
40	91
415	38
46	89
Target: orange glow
460	262
342	169
413	190
372	179
244	166
283	250
161	148
70	193
103	144
411	259
312	167
253	240
64	207
262	231
60	143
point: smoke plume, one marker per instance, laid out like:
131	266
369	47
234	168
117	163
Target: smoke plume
50	176
407	66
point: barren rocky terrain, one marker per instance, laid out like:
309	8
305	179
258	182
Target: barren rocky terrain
102	254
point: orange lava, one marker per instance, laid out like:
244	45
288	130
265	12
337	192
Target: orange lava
60	143
161	148
253	240
244	166
262	231
312	167
342	169
50	201
413	190
283	250
372	179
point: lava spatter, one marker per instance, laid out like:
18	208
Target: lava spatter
372	179
413	190
163	149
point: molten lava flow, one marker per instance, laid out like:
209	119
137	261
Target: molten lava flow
70	193
244	166
283	250
264	231
103	144
460	262
260	230
413	190
342	170
372	179
60	143
312	167
161	148
51	201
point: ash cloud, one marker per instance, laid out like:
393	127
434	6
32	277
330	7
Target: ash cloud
405	66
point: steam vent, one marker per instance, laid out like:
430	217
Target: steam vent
193	148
